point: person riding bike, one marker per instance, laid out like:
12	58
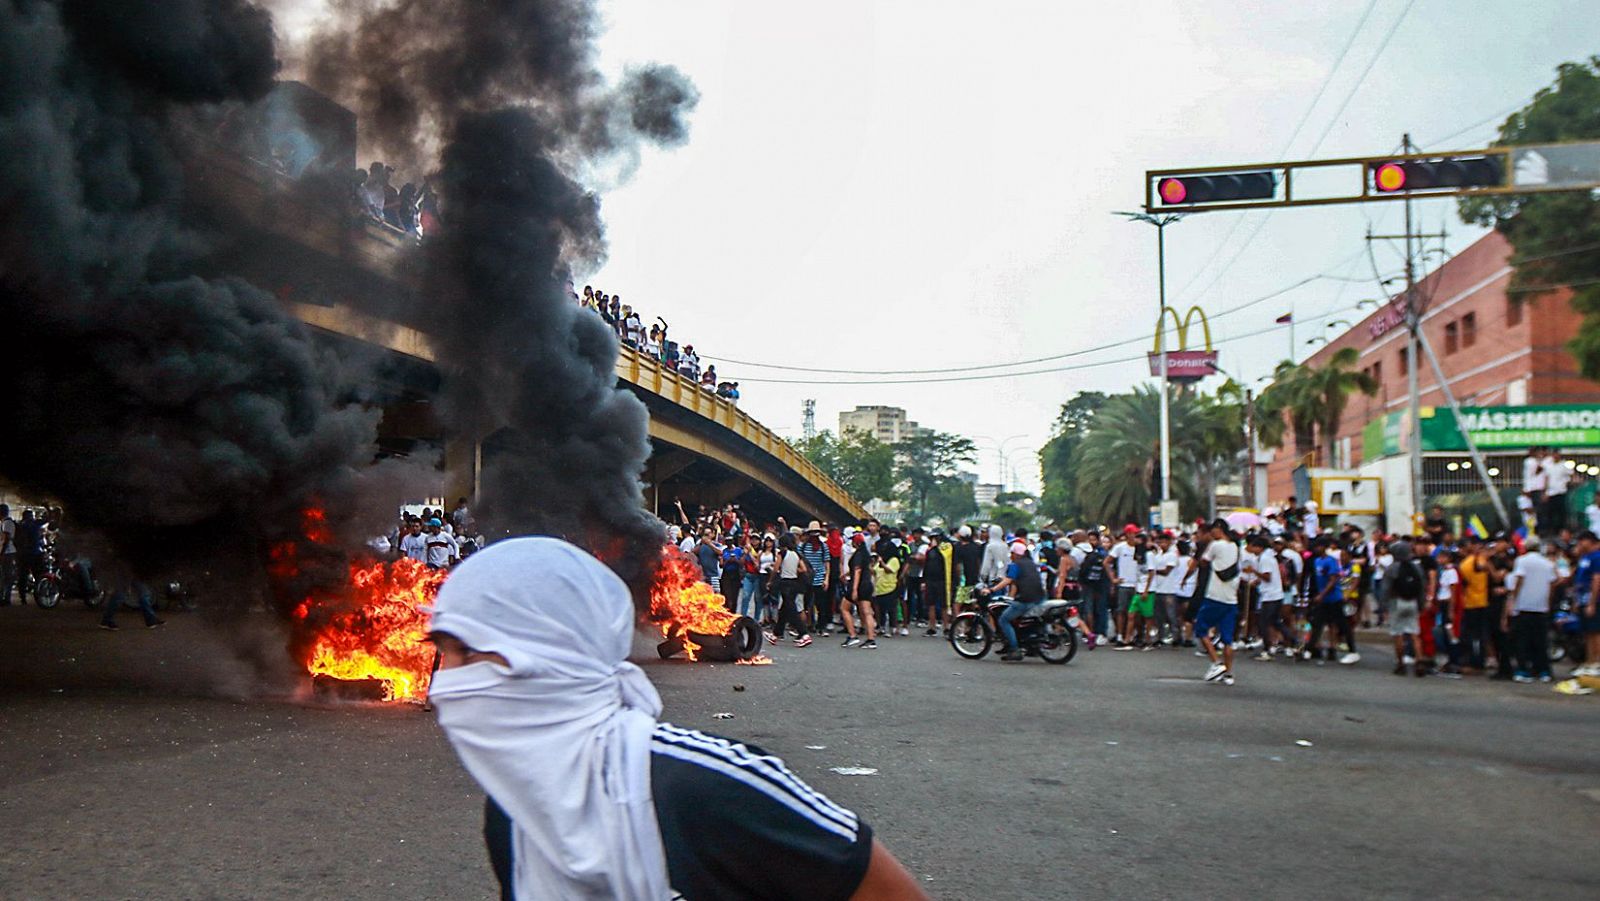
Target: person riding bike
1023	575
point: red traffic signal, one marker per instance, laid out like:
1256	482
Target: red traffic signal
1190	189
1396	176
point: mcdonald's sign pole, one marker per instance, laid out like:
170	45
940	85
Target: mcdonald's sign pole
1161	222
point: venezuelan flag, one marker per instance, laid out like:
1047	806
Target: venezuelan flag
1478	528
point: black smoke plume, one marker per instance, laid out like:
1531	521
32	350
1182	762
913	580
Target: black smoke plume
505	98
179	415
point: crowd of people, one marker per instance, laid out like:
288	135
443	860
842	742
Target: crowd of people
1285	590
432	537
653	341
412	208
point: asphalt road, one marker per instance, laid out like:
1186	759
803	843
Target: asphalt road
1119	775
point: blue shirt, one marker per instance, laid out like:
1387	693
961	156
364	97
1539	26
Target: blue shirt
1587	567
707	556
1326	569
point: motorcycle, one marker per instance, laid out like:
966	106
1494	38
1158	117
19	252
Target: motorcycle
1566	636
1051	634
72	579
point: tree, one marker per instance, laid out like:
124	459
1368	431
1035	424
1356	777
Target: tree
1314	399
1554	234
1059	500
951	500
1332	385
1010	518
1286	408
1118	462
860	463
924	462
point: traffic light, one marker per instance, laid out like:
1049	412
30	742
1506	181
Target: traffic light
1397	176
1186	189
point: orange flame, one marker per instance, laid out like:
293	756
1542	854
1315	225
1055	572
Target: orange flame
681	603
757	660
383	634
372	627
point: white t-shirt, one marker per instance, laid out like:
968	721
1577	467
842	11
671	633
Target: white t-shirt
1311	526
442	548
1269	580
1592	513
767	559
1448	577
8	535
1158	561
1533	574
1531	481
1127	563
415	547
1221	555
1273	526
687	544
1385	560
1556	477
1186	577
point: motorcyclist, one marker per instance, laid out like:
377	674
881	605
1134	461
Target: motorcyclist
1022	574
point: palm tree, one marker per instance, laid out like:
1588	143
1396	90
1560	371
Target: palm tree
1288	406
1314	400
1118	462
1332	385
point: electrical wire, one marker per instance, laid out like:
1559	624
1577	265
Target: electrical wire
996	375
1304	118
1061	356
1332	122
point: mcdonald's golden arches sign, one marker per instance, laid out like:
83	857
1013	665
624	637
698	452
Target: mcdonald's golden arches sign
1183	364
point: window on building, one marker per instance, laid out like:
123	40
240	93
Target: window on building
1469	329
1513	311
1377	373
1405	360
1452	338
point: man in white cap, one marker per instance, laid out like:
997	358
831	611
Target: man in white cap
590	797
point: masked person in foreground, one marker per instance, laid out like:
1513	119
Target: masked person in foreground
589	796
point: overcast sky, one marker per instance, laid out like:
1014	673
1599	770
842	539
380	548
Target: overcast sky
924	185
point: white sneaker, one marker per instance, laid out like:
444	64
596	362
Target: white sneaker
1215	672
1349	658
1408	660
904	631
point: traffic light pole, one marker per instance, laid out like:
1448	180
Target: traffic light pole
1161	223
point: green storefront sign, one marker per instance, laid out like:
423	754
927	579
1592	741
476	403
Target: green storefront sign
1492	428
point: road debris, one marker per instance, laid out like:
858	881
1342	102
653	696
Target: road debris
722	716
855	770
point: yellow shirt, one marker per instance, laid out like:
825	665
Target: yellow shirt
1475	584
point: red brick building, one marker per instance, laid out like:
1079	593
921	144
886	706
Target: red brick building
1495	349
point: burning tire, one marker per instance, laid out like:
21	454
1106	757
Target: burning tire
742	642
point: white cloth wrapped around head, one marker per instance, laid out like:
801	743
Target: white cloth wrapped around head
560	736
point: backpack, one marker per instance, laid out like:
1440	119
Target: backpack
1408	582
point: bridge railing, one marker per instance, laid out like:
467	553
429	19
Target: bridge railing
651	375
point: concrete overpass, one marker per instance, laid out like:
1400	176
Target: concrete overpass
346	277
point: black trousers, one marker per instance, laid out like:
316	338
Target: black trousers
820	602
1475	635
1331	613
1532	634
789	608
1501	638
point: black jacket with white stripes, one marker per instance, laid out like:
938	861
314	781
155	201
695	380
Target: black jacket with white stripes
736	824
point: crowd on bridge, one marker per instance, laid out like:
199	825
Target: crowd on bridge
628	324
412	208
1282	590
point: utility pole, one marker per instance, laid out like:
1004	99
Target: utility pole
1418	347
809	408
1250	449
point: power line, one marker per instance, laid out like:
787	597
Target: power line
1333	121
1061	356
997	375
1304	118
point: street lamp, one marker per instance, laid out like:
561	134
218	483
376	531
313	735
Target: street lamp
1161	222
